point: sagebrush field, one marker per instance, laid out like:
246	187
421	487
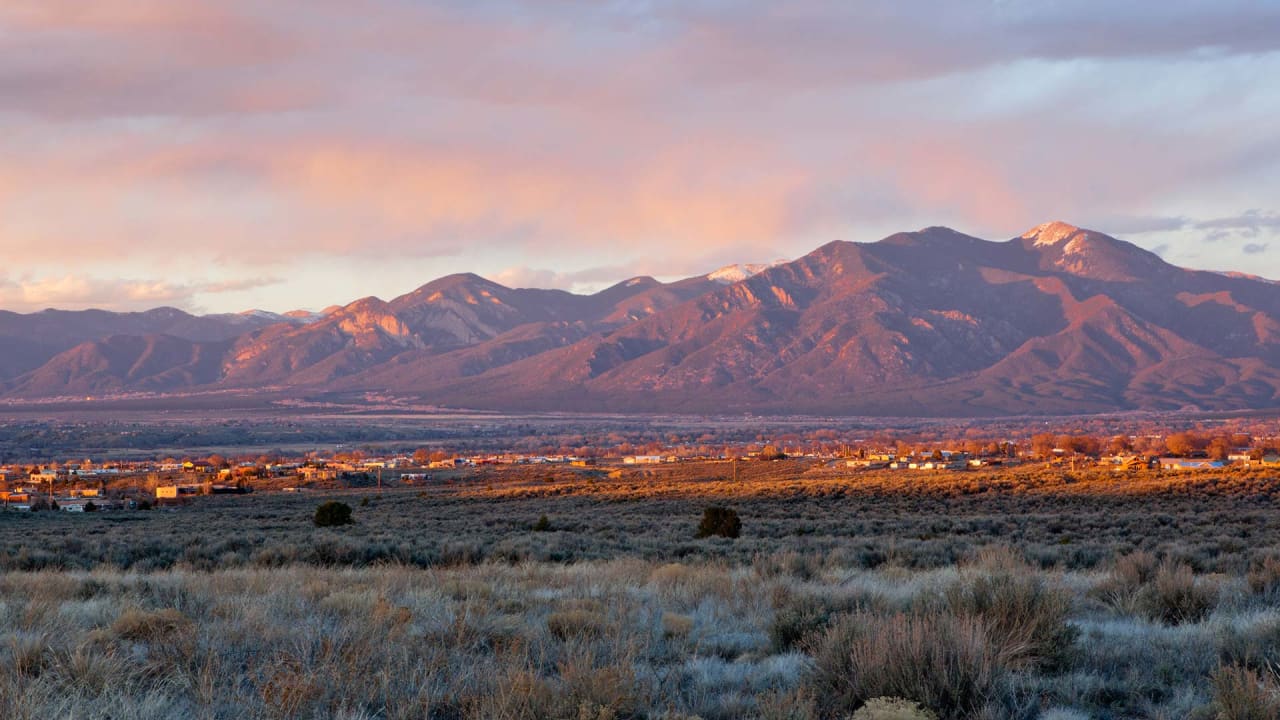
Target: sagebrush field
537	593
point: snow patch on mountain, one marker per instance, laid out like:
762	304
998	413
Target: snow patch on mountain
1050	233
730	274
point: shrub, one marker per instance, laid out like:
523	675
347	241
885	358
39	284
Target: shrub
1264	579
675	625
1135	569
795	704
946	663
797	622
29	654
1174	597
150	625
1026	619
90	507
1252	645
1240	694
333	513
1128	576
1166	591
576	622
543	524
723	522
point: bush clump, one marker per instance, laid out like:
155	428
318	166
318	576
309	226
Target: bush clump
1026	619
332	514
722	522
543	524
1175	597
1166	591
946	663
1240	694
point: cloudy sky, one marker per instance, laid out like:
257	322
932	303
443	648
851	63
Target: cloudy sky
279	154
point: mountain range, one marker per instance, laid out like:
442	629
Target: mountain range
1059	320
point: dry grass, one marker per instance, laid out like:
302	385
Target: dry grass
618	639
1121	599
1241	694
947	663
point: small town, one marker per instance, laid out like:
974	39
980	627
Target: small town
88	486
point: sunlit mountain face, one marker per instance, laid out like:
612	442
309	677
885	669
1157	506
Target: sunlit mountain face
1058	320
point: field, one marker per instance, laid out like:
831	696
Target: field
1011	594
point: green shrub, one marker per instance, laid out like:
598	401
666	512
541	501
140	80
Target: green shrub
90	507
723	522
543	524
944	662
333	513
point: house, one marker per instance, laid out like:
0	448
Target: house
172	492
310	472
1131	462
16	497
642	460
1190	464
866	464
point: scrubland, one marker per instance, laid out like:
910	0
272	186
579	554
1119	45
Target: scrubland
1027	594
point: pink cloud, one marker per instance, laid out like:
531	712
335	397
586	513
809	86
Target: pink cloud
170	133
77	291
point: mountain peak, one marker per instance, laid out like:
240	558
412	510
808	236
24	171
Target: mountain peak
1050	233
730	274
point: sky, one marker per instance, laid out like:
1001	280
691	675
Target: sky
284	154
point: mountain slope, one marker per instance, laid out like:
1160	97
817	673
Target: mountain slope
1058	320
155	363
31	340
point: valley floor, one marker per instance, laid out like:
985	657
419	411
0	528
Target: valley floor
1024	594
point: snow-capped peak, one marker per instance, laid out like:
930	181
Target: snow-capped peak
730	274
1050	233
263	314
305	316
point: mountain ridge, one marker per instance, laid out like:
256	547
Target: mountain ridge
1057	320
